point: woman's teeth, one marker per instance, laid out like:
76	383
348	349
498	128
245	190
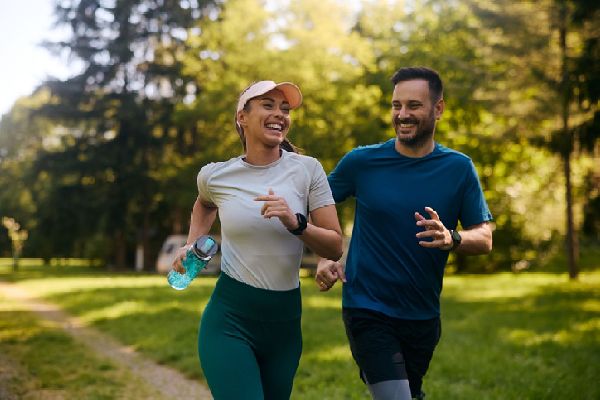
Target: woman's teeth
274	126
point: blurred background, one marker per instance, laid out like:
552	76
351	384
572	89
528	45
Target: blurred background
110	107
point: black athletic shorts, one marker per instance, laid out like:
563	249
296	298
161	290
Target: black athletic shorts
387	348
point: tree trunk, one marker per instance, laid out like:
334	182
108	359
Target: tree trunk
572	242
15	265
148	259
120	250
572	247
145	233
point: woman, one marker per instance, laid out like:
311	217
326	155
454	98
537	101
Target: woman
250	339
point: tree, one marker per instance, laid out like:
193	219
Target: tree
22	137
575	18
115	166
17	237
586	84
120	107
552	42
499	63
309	43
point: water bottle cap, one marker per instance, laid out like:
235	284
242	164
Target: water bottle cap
205	247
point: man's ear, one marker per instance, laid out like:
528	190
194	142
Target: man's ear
439	108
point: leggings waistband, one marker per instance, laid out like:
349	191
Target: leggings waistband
256	303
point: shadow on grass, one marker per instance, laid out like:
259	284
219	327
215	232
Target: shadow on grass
47	363
541	345
156	321
504	337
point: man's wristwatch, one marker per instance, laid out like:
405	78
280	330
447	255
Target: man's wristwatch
302	224
456	239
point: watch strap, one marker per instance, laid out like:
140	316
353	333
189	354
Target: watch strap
302	224
456	239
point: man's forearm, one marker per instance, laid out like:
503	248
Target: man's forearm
476	240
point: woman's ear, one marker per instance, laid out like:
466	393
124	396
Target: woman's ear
241	117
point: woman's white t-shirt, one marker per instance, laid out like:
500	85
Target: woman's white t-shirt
258	251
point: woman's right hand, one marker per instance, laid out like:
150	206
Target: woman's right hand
277	206
179	256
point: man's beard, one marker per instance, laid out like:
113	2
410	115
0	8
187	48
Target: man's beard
423	134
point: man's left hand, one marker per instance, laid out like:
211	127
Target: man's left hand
434	229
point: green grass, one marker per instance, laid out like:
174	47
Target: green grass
505	336
528	336
39	361
555	260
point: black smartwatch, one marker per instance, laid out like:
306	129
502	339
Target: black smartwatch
456	239
302	224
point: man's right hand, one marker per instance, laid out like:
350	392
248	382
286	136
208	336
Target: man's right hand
328	273
179	256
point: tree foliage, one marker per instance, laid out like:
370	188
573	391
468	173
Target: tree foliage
118	109
106	160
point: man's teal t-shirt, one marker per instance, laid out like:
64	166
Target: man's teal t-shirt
386	268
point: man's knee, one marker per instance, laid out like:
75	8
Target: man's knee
390	390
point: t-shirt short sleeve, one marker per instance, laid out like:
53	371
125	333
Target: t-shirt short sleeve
319	192
475	209
202	182
341	179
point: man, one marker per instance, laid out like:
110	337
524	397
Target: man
410	194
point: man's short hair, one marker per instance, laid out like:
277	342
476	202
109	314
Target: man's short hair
436	88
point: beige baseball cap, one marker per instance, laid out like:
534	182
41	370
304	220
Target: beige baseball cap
290	91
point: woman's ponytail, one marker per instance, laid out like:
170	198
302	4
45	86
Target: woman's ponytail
288	146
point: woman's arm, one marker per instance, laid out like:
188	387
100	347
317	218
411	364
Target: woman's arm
203	216
323	234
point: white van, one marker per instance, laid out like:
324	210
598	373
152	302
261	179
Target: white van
174	242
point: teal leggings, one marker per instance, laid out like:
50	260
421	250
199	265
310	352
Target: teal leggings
250	341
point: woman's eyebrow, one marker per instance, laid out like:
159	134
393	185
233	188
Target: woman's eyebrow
272	99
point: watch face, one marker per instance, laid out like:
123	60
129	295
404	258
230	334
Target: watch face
455	236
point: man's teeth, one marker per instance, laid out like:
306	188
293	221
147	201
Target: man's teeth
406	125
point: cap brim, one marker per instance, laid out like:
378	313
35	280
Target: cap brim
291	92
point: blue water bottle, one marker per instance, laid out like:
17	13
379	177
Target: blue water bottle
196	258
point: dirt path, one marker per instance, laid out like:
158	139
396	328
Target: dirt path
167	381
